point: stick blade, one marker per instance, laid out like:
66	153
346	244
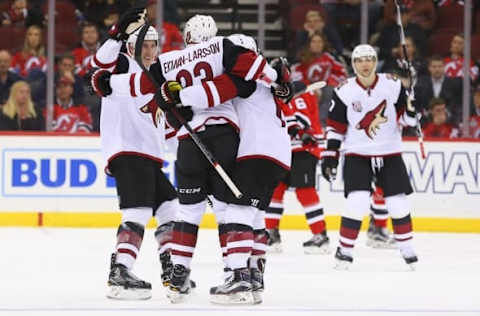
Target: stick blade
315	86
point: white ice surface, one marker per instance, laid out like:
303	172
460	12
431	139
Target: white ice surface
64	272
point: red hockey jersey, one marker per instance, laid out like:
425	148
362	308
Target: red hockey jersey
72	119
454	68
302	112
323	68
82	60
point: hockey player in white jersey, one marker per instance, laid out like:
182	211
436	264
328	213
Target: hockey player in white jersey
365	117
263	159
133	150
205	57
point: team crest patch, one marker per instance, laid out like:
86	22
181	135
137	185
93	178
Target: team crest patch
357	106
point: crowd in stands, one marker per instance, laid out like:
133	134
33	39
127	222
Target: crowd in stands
320	37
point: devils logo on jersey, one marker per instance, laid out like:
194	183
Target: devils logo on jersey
370	123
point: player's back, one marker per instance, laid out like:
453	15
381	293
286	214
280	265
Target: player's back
263	131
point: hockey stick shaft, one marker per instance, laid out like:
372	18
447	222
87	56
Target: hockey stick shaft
404	49
221	172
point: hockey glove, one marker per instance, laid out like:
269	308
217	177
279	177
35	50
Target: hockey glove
283	91
282	67
293	131
308	139
185	111
128	23
329	164
98	82
167	96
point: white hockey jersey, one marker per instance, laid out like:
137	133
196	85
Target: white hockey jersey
194	66
124	128
263	132
369	120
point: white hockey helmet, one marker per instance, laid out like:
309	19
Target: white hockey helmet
151	35
245	41
364	50
199	28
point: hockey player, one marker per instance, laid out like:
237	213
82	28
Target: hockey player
364	116
263	159
305	130
134	152
205	57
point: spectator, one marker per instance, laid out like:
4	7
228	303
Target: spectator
437	85
19	15
19	113
69	117
170	36
317	64
32	56
88	47
454	62
315	22
66	67
111	18
439	127
395	66
170	11
475	118
7	78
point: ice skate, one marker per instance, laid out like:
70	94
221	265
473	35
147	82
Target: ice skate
124	285
167	268
318	244
380	238
274	241
180	286
256	275
235	291
343	261
410	258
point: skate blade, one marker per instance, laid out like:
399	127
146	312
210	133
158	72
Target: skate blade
380	244
120	293
412	266
240	298
312	250
176	297
342	265
275	248
257	297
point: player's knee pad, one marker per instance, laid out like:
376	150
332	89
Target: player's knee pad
219	209
357	205
259	220
167	211
191	213
240	214
307	196
398	205
139	215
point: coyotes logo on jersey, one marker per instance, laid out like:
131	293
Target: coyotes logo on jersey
370	123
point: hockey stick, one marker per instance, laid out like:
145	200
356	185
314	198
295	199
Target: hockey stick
404	49
221	172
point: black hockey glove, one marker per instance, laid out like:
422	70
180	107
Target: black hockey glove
185	111
293	131
98	82
282	67
167	97
329	164
128	23
283	91
308	139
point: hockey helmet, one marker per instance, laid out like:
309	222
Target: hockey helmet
151	35
245	41
199	28
364	50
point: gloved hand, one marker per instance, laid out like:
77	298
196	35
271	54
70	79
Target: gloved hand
283	91
185	111
409	70
152	108
128	23
307	138
98	82
329	164
293	131
167	97
282	67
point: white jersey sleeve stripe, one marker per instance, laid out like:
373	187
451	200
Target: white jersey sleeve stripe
254	69
214	92
136	84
